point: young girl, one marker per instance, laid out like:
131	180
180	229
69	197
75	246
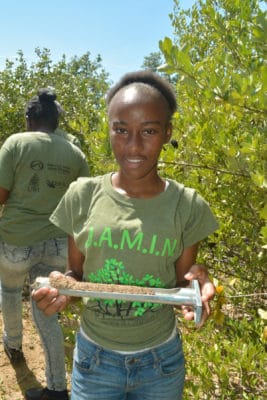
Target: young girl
132	227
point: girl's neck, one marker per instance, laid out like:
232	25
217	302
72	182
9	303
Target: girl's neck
140	189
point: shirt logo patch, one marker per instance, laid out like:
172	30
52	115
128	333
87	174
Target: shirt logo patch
34	184
56	184
37	165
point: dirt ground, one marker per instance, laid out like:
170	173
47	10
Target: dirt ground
15	380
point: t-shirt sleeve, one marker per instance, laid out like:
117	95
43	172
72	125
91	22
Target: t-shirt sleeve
6	168
62	216
85	168
72	209
200	222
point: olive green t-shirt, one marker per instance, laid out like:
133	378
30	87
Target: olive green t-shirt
36	168
131	241
68	136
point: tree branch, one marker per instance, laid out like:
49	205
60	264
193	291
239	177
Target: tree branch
183	164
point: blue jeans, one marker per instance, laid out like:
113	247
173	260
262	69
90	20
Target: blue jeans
37	260
101	374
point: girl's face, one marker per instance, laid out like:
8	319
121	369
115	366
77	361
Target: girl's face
139	127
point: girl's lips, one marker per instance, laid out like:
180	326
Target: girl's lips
135	161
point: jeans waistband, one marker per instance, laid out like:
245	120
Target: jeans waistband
144	357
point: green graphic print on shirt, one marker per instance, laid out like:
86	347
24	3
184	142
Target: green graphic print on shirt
114	272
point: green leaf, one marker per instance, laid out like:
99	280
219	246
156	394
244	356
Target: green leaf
263	212
263	232
259	179
262	313
166	45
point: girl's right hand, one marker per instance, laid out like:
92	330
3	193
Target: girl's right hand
49	300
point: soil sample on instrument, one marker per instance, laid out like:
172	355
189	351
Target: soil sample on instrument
60	282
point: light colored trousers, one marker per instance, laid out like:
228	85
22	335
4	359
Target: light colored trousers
37	260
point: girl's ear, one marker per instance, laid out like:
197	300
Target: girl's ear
168	133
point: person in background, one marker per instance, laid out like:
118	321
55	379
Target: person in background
36	169
134	227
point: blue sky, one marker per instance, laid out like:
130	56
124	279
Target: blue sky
123	32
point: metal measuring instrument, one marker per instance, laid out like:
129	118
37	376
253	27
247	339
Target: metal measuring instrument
176	296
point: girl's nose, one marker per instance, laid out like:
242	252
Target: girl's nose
134	141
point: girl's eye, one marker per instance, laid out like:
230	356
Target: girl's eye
120	131
148	131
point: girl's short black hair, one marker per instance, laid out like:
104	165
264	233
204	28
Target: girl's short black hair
44	109
150	78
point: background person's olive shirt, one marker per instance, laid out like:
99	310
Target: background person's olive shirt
131	241
68	136
36	168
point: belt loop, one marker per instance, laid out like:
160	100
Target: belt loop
155	357
97	355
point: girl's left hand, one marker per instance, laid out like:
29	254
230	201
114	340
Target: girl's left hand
207	289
